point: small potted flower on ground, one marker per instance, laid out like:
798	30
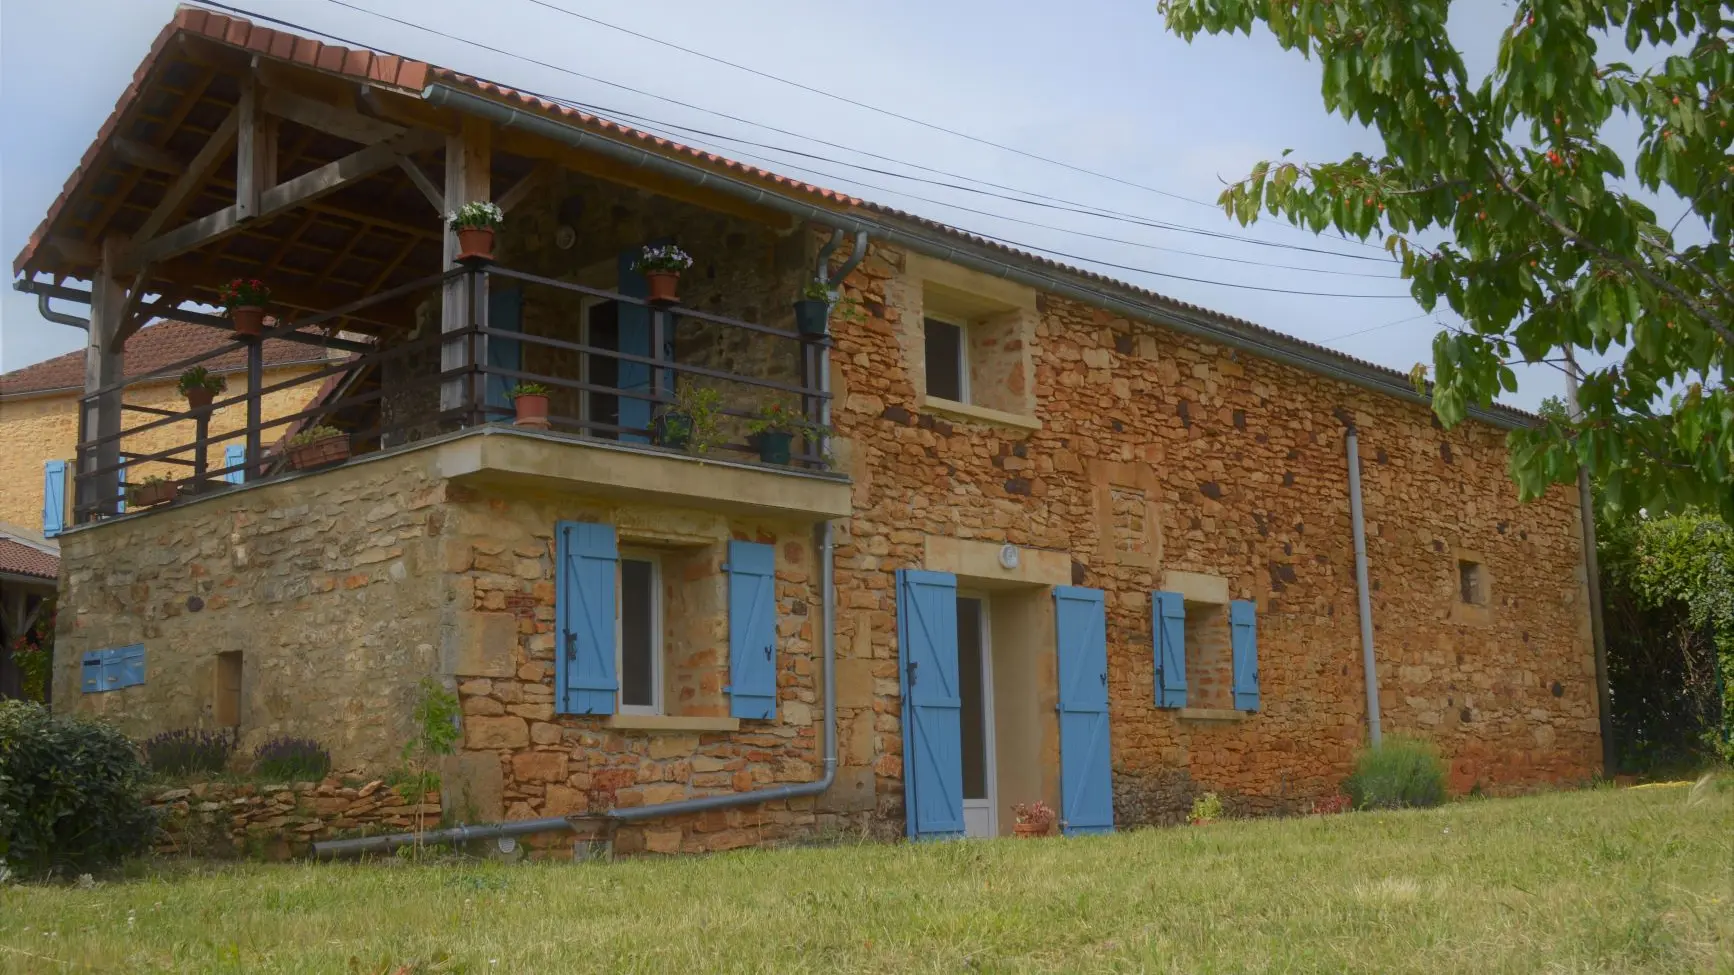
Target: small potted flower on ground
1033	819
152	491
530	401
199	386
661	267
318	446
246	299
475	223
1206	809
774	428
691	423
813	311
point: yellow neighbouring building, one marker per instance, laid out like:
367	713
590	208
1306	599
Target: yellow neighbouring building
39	412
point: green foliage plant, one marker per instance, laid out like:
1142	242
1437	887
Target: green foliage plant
70	793
1398	773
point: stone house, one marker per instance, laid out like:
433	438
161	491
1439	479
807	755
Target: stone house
1045	535
39	412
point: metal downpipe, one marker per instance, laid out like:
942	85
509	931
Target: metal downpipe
1369	668
1297	355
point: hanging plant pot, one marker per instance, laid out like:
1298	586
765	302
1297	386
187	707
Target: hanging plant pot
318	453
664	286
475	243
775	446
812	316
152	493
672	429
248	319
200	397
532	411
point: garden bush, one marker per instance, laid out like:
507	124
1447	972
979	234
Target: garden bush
189	751
70	793
1398	773
291	760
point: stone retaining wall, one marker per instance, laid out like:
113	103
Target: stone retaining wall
276	821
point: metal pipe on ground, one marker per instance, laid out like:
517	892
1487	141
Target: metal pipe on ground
1369	668
979	258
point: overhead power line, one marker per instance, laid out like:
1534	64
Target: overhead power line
1024	246
1162	225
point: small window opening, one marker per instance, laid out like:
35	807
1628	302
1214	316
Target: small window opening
226	697
947	362
640	637
1471	582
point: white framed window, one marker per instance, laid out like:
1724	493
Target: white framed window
638	646
947	350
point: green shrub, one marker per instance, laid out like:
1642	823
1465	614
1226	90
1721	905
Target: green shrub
1399	773
72	792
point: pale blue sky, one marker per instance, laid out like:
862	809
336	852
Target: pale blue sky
1094	83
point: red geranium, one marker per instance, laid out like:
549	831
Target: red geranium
244	293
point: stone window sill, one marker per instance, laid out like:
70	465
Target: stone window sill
971	413
671	722
1214	714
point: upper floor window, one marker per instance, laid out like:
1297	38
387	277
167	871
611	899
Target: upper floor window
947	360
1471	582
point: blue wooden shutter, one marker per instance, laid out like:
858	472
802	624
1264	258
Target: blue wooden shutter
120	482
506	314
634	325
1081	644
53	498
752	630
1243	630
585	619
1168	626
235	455
932	705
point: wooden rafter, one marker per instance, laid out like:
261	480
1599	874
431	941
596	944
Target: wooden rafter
523	187
340	122
195	174
433	193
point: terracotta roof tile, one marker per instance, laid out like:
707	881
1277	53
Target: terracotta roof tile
155	346
20	559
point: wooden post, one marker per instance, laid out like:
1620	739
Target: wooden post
255	379
468	178
97	493
201	431
247	154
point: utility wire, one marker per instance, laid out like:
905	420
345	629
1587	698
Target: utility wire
504	53
1375	328
874	108
1182	228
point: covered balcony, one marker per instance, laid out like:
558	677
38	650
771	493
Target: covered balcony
328	176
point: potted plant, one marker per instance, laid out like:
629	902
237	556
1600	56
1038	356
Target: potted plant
691	422
1206	809
475	223
1033	819
199	386
246	299
813	311
318	446
661	267
774	427
153	490
530	400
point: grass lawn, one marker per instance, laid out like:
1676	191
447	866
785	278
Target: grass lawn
1640	880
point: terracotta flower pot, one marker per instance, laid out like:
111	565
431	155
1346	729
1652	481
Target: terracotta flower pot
153	493
248	319
330	450
200	396
476	243
1030	831
664	286
532	411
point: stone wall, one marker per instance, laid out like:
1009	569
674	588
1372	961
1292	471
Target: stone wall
520	760
1238	466
327	583
34	429
282	820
